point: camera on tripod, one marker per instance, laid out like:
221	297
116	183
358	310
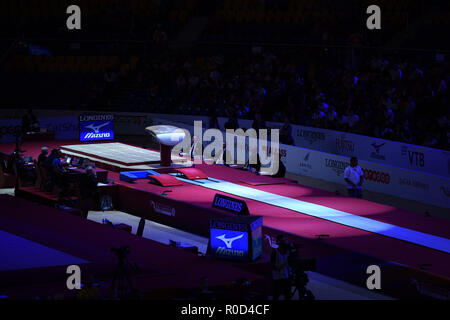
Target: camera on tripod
121	252
299	278
297	263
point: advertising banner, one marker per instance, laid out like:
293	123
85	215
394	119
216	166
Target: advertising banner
8	129
382	151
377	150
65	128
131	123
400	182
96	127
236	238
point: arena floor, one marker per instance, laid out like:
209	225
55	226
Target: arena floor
345	240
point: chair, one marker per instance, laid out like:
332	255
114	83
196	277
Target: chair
19	182
39	182
6	180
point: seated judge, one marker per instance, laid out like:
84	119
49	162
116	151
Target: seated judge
56	169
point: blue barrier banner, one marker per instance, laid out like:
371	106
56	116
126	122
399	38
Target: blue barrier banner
96	127
65	128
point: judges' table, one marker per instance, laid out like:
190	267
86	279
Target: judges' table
102	175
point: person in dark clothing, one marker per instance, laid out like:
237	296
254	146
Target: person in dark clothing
54	162
49	183
50	158
213	121
281	169
88	192
254	167
30	122
24	172
258	123
88	183
56	170
232	122
12	159
286	132
42	159
279	260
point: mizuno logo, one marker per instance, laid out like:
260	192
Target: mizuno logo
97	128
377	147
91	135
228	242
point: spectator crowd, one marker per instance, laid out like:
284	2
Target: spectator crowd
394	99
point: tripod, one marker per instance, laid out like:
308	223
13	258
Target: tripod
121	282
300	280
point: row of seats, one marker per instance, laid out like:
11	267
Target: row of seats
399	5
49	90
288	17
84	64
443	18
56	8
179	16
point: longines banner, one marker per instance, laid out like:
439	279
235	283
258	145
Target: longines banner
372	149
400	182
382	178
382	151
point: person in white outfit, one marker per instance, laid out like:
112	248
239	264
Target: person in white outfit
354	177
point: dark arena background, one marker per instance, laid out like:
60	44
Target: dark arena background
110	188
